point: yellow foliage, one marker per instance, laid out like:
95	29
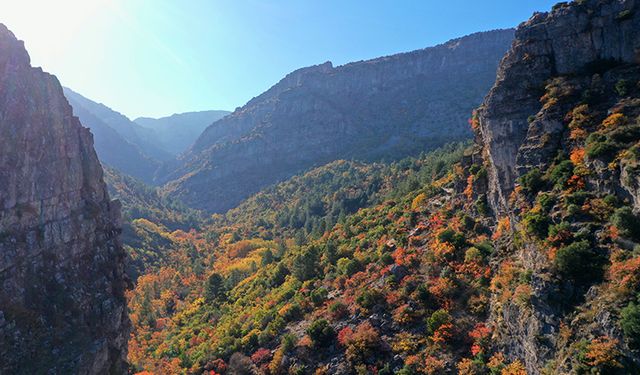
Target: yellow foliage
514	368
614	120
418	201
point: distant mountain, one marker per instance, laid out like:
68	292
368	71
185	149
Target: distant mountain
385	108
177	132
129	130
112	148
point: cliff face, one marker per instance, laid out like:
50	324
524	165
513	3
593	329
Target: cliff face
62	304
384	108
558	133
572	40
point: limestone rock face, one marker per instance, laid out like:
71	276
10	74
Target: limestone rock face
384	108
62	303
572	39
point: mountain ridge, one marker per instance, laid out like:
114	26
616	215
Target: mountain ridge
388	107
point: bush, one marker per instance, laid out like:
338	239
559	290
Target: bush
318	296
630	323
627	223
561	173
338	310
532	181
601	150
580	262
369	298
321	333
437	319
622	87
537	224
452	237
288	342
348	266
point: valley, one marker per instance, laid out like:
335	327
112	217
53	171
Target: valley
470	208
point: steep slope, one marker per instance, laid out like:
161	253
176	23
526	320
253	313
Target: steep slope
176	133
111	147
129	130
62	303
559	135
385	108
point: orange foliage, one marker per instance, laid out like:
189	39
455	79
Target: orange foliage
614	120
577	156
602	352
504	226
468	191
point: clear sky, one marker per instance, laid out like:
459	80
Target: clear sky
159	57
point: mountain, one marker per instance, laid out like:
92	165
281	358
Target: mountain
62	283
135	134
112	148
176	133
519	256
385	108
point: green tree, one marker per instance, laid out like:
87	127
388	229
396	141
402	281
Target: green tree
321	332
214	290
630	323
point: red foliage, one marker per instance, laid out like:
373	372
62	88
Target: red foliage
261	355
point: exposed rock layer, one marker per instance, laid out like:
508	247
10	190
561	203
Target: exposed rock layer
62	304
388	107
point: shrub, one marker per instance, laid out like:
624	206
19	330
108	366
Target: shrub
561	173
627	222
362	344
622	87
537	224
288	342
437	319
338	310
580	262
601	150
318	296
321	332
369	298
630	323
348	266
452	237
532	181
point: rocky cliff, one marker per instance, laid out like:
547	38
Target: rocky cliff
388	107
558	134
62	304
581	38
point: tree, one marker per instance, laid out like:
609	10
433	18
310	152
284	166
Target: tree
630	323
267	257
214	290
305	265
321	332
580	262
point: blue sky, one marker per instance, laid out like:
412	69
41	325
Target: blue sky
159	57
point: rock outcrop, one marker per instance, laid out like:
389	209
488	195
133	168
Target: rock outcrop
62	303
568	70
573	39
388	107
